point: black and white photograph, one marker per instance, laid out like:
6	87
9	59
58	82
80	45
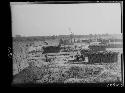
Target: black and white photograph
67	43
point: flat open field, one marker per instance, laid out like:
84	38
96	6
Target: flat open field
60	70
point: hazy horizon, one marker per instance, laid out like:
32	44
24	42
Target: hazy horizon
62	19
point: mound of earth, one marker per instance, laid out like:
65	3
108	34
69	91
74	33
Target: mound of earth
30	74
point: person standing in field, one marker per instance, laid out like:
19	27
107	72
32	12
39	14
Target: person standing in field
46	57
77	56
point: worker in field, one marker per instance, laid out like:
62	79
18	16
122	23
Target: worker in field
82	57
46	57
78	56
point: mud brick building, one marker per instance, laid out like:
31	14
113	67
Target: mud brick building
103	57
98	54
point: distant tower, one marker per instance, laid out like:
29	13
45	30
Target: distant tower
71	35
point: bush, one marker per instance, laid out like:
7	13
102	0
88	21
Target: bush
74	71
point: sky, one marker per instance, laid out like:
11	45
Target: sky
62	19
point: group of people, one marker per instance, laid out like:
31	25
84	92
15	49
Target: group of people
79	57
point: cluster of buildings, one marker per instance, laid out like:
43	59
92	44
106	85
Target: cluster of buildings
71	48
96	48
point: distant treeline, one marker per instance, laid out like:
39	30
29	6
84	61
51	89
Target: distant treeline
42	38
28	38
